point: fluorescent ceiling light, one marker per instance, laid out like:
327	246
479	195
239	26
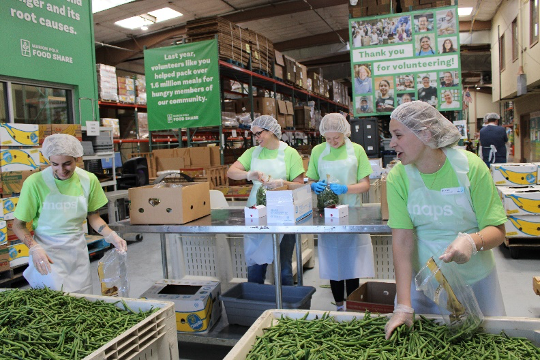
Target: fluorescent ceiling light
100	5
150	18
465	11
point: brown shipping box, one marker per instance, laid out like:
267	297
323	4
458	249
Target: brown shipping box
302	117
169	163
176	158
4	258
169	205
44	131
200	156
215	159
281	113
374	296
70	129
290	73
12	181
279	64
384	205
289	114
265	106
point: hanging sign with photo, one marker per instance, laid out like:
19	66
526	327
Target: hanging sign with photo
398	58
183	86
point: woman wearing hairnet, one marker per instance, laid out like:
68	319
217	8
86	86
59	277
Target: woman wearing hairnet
442	203
271	163
345	257
58	200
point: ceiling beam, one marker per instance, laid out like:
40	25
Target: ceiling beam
465	26
281	8
314	40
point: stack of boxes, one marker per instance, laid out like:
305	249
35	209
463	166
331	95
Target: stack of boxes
107	84
126	90
20	158
518	186
140	90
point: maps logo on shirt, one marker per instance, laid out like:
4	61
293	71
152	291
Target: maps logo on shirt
433	211
61	205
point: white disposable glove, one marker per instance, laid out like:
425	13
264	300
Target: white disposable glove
460	250
402	314
274	183
117	241
254	175
42	261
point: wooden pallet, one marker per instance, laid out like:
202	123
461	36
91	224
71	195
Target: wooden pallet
12	275
516	243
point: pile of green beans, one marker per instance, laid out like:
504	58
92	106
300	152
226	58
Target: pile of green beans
47	324
364	338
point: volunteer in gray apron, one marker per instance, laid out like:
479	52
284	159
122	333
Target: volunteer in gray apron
58	200
272	163
442	203
348	257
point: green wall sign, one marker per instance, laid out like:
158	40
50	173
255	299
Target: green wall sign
403	57
51	41
183	86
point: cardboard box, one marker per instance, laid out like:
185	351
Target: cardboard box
12	182
290	70
279	64
4	258
70	129
289	114
164	164
18	254
3	233
257	211
215	158
384	205
197	307
522	226
200	156
176	158
19	134
7	228
7	208
44	131
302	117
278	71
169	205
374	296
281	113
289	204
112	123
512	174
19	159
44	161
520	201
337	212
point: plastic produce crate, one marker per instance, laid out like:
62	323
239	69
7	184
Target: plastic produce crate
245	302
515	327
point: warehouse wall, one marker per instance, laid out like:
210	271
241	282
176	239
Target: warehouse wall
481	104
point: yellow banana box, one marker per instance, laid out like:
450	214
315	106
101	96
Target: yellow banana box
19	159
19	134
520	201
3	233
18	254
513	174
522	226
197	307
7	208
43	161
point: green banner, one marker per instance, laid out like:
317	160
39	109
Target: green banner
404	57
183	86
51	41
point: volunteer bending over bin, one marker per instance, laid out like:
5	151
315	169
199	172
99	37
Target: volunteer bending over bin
346	257
58	200
272	164
442	204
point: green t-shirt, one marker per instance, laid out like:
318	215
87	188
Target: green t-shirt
35	190
364	169
487	205
294	166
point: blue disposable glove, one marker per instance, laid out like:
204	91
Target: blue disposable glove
318	187
339	189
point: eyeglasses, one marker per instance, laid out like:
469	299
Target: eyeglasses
257	134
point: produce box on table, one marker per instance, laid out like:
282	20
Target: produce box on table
331	337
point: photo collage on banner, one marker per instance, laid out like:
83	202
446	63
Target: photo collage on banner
404	57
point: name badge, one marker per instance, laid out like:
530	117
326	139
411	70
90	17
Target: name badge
452	191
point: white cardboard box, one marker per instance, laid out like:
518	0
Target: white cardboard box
256	221
337	220
7	208
19	159
337	212
522	226
19	134
520	201
512	174
255	212
289	204
197	307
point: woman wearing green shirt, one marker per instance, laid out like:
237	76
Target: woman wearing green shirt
342	257
271	163
442	203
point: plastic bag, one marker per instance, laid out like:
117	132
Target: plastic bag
327	198
113	273
458	305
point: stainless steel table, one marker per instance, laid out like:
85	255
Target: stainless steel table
361	220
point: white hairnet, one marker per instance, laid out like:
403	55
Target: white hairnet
419	116
62	144
269	123
491	116
334	122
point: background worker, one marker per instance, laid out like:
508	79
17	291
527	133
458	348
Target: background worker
493	139
461	224
58	200
348	257
271	163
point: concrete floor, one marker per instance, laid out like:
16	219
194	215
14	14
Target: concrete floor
515	275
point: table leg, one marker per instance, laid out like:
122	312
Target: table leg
298	245
165	268
277	268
